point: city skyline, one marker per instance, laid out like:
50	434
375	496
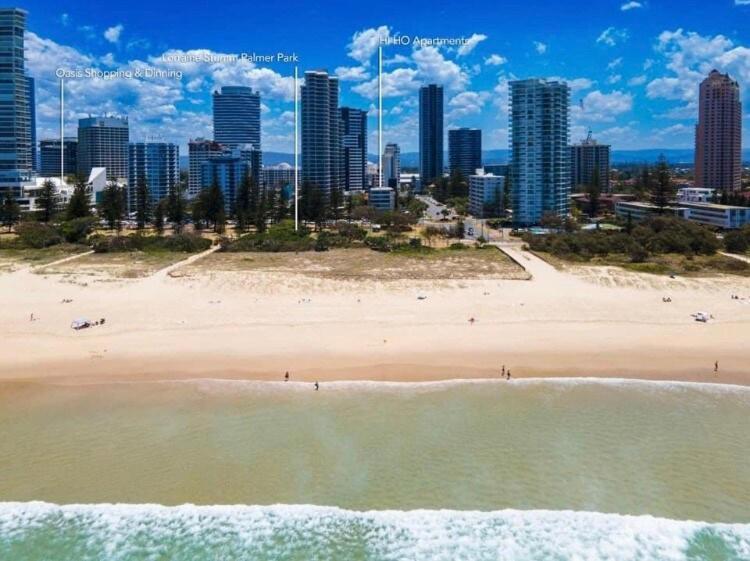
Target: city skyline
634	90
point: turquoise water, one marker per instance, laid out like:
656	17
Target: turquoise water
527	470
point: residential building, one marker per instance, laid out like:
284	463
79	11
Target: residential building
465	151
279	175
200	150
103	143
727	217
391	165
50	155
695	195
354	148
382	198
540	161
157	164
16	144
486	194
588	160
430	133
718	135
31	84
637	210
236	112
227	170
321	131
497	169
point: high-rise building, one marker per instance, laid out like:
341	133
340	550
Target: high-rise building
279	175
540	161
155	163
321	131
486	194
586	160
32	122
430	133
16	160
465	151
200	150
228	171
718	135
237	116
49	156
103	143
391	165
353	148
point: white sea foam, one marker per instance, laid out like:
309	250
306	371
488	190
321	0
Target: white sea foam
32	531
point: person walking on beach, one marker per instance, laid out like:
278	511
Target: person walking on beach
508	373
286	376
716	367
317	386
503	374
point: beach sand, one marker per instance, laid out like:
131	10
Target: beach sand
209	318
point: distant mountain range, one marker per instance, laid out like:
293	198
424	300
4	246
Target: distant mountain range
411	159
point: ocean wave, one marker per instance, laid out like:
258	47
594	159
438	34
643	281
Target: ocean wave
42	531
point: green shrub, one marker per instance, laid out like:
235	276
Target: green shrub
38	235
181	243
280	237
78	229
737	241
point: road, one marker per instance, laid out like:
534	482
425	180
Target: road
435	209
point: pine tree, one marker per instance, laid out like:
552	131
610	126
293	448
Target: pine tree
10	211
160	212
335	203
176	207
47	201
242	203
593	190
662	189
112	205
142	204
79	205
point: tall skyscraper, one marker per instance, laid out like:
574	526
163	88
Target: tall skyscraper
200	150
103	143
718	136
156	163
430	133
540	161
391	165
32	123
465	151
16	160
586	157
353	148
237	116
49	155
321	131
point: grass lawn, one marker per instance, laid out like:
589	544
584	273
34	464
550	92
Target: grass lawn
13	259
122	265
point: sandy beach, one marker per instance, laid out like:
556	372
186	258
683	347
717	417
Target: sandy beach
202	319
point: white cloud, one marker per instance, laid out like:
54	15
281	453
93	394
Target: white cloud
495	60
742	2
540	47
612	36
637	80
352	73
364	44
398	82
112	34
471	44
614	79
64	19
631	6
602	107
616	63
467	103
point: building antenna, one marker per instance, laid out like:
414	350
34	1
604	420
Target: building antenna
296	152
380	116
62	131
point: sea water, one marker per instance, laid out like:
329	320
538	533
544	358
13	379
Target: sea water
563	469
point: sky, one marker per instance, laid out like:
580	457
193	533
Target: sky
634	66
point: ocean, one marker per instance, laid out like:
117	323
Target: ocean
233	470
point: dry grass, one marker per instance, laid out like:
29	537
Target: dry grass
14	259
365	264
108	266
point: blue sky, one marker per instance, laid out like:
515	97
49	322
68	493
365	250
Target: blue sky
634	66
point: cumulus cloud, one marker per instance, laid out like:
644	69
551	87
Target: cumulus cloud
495	60
352	73
540	47
471	44
631	6
112	34
637	80
612	36
597	106
467	103
365	43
